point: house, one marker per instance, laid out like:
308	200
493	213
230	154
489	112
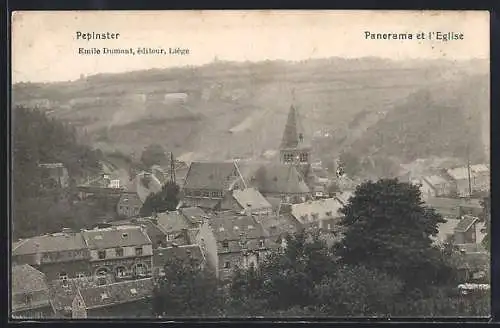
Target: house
30	293
144	184
282	181
129	205
479	179
59	255
279	227
87	298
241	242
104	185
157	235
54	175
435	186
323	213
465	231
175	226
164	255
207	183
122	252
248	199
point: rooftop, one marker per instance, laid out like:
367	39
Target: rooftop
116	236
173	221
56	242
26	279
230	227
162	256
211	175
252	197
466	223
276	178
323	208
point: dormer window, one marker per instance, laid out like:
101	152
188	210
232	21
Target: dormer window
133	291
125	235
104	296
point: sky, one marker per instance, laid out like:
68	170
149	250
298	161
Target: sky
45	48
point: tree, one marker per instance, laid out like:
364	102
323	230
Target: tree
187	289
486	217
388	228
165	200
350	163
153	154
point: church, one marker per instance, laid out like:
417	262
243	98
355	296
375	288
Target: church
286	180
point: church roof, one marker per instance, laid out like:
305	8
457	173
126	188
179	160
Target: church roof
210	175
293	135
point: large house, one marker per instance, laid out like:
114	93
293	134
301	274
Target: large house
241	242
323	213
247	200
30	293
123	252
58	255
207	183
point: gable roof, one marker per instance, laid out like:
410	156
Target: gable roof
26	279
210	175
252	197
293	134
280	225
321	207
172	221
465	223
278	178
116	236
162	256
144	184
229	227
193	214
55	242
117	293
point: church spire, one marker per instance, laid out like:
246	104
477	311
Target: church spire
293	135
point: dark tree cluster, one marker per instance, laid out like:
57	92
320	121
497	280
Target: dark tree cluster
165	200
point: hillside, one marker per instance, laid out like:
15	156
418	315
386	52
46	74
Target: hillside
225	109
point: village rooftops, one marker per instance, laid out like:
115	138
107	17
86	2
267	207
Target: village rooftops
323	208
116	236
172	221
211	175
277	179
461	173
193	214
231	227
251	197
55	242
280	225
117	293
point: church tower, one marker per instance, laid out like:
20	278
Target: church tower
295	149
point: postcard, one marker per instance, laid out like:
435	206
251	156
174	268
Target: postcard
250	164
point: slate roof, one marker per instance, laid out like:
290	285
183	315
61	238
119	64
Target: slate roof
229	227
465	223
26	279
144	184
55	242
116	236
173	221
253	197
278	178
62	295
461	173
162	256
210	175
320	207
193	214
117	293
280	225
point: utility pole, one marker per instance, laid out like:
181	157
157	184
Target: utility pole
468	171
172	168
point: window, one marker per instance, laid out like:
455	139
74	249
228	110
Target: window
288	158
138	251
80	275
329	213
225	244
227	265
63	276
261	243
121	272
101	255
28	298
303	157
101	281
140	269
119	251
243	243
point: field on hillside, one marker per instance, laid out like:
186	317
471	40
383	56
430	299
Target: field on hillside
239	109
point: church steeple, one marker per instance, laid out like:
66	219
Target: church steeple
294	147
